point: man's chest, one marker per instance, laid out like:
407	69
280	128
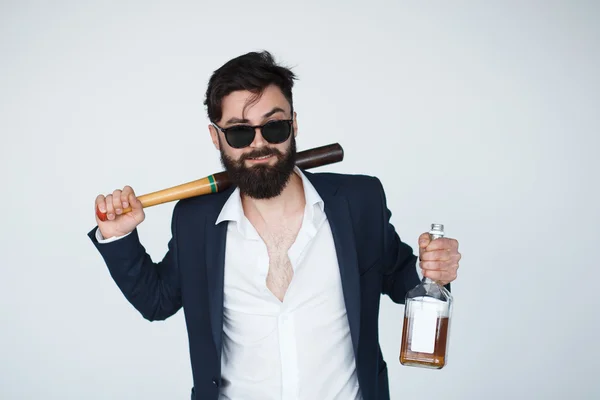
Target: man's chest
311	254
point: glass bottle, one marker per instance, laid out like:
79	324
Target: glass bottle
427	313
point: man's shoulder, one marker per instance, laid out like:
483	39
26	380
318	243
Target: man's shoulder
203	204
348	181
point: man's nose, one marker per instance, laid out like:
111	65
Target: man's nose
259	140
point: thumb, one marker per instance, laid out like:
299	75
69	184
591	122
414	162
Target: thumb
424	240
137	210
136	206
134	202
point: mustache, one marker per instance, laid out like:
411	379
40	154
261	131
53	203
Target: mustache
265	151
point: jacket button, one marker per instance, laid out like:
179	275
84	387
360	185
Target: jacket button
215	382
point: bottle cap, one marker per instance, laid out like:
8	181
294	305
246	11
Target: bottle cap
437	229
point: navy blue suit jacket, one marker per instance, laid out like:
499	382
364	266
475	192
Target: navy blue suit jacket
372	261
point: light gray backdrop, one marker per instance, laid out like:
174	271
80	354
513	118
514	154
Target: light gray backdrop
481	115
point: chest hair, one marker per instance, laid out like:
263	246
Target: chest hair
278	238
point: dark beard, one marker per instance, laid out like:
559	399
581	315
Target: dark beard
261	181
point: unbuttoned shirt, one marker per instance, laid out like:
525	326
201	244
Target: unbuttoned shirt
296	349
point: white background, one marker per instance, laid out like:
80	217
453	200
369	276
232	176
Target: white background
480	115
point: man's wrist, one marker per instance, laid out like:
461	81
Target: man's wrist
101	239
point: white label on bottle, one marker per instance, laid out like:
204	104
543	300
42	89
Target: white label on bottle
424	327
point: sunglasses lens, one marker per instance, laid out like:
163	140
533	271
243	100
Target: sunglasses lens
276	131
240	136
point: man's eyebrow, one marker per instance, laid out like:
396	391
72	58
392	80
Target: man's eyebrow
274	111
235	120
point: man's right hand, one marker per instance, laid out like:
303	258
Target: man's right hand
119	224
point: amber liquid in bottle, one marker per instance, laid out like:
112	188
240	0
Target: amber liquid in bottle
426	327
436	359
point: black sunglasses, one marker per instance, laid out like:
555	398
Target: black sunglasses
274	132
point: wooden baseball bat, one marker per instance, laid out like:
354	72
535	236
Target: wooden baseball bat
218	182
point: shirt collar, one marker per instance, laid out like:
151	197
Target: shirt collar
233	211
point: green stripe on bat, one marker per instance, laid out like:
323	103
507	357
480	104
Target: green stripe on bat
213	185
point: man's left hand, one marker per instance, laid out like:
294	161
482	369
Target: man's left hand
439	258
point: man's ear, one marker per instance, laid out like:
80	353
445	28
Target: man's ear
214	135
295	125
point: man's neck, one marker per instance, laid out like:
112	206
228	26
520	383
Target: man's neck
290	201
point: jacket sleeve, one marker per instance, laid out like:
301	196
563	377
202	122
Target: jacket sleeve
398	261
154	289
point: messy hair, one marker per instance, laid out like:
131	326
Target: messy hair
253	72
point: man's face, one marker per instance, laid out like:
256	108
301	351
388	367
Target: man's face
261	170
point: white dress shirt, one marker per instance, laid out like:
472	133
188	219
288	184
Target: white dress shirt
292	350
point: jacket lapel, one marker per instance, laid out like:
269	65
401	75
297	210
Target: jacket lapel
338	214
216	236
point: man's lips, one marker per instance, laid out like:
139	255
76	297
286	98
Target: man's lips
260	159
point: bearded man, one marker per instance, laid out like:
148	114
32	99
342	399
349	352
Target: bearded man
279	276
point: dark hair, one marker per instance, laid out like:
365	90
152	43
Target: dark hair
253	72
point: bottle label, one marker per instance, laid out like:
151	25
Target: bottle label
424	327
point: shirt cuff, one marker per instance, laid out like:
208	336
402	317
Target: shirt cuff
101	239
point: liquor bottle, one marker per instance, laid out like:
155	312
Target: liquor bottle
427	314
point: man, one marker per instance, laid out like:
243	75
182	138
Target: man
280	276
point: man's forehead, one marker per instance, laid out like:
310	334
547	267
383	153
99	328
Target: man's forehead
248	106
